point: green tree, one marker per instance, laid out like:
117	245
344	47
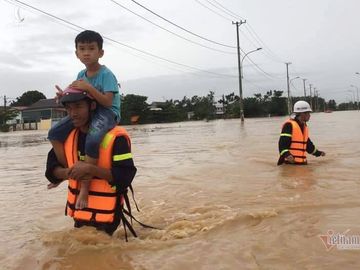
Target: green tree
132	105
170	112
331	105
231	105
28	98
253	106
6	115
204	106
278	104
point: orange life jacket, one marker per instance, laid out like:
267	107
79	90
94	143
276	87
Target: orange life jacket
299	140
103	201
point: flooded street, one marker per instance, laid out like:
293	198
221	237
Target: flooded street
213	187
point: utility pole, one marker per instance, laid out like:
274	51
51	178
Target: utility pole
315	97
288	87
304	88
239	69
310	96
223	106
4	103
357	93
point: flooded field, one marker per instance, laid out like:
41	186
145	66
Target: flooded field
213	187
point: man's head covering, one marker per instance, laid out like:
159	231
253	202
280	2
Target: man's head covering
74	95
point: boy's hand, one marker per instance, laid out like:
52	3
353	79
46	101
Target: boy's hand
81	84
290	159
81	171
59	94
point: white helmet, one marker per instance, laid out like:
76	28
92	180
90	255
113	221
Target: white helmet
302	106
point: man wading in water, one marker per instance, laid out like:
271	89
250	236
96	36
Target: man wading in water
109	178
294	139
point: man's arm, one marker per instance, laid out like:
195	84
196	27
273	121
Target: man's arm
121	173
55	172
123	169
285	142
311	149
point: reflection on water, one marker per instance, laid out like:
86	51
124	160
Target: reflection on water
214	189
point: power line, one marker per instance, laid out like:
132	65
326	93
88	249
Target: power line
251	31
260	69
163	28
120	43
228	10
228	19
223	10
180	27
256	36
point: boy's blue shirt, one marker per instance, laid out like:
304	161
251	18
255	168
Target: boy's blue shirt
105	81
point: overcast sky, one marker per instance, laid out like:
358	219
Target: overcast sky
319	37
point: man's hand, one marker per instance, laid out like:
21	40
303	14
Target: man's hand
51	185
81	171
322	154
290	159
81	85
59	94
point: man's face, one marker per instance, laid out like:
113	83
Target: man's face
79	112
305	116
88	53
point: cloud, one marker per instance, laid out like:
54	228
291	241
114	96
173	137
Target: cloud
10	60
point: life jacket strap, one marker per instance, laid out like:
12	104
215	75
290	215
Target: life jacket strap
142	224
76	191
126	224
133	196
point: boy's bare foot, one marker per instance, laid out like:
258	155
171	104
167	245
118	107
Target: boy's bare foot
82	200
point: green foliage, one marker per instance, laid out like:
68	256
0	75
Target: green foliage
272	103
28	98
170	112
347	106
204	107
331	105
132	105
5	116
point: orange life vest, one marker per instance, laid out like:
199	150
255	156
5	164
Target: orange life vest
299	140
103	201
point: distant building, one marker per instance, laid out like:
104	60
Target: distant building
219	109
156	106
43	109
190	115
43	114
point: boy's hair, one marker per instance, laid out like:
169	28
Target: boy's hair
89	36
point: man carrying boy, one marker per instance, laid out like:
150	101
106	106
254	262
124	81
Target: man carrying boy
109	179
101	84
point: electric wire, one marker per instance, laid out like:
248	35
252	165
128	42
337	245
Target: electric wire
163	28
226	12
217	13
268	75
249	28
180	27
121	43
